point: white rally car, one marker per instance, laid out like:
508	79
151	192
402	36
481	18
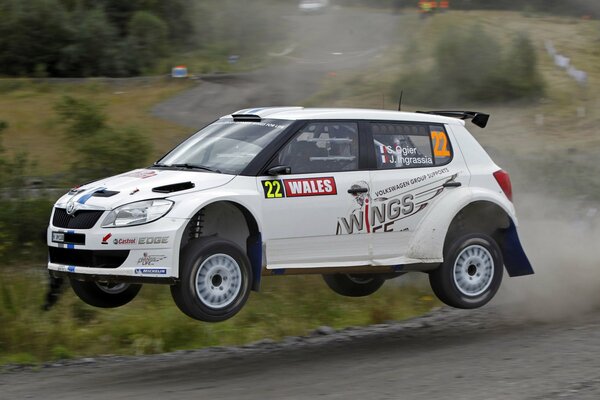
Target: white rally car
359	196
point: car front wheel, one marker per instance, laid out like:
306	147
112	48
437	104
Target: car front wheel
215	277
105	295
471	272
354	285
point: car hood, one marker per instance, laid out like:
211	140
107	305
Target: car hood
140	184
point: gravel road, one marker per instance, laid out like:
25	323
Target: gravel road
320	46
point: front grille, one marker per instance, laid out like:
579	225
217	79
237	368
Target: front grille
88	258
82	219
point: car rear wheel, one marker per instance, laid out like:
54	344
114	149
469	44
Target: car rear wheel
215	277
105	295
354	285
471	272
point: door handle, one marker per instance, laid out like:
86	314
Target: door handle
358	190
452	184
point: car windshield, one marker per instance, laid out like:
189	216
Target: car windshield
225	146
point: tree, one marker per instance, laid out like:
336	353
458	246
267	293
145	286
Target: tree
32	36
90	53
147	37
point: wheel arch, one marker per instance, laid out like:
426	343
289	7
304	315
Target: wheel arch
490	218
471	213
231	220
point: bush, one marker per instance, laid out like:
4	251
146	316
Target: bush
23	217
147	38
471	66
102	150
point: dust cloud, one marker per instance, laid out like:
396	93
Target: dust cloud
562	240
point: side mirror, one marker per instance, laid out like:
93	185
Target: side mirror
279	170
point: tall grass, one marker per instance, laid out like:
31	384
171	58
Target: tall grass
151	323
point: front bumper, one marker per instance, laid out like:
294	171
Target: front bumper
147	252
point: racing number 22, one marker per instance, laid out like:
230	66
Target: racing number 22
440	144
273	189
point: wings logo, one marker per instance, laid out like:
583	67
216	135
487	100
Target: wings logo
382	213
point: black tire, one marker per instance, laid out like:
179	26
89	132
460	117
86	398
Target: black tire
468	283
105	295
201	304
358	285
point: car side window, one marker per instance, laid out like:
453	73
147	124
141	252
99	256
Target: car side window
322	147
405	145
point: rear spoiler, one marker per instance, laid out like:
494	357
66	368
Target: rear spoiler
478	118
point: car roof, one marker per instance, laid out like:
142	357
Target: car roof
301	113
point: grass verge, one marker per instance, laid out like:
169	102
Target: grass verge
286	306
33	124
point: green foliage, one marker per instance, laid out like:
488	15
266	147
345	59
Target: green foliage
82	118
470	65
23	218
90	49
147	38
521	66
286	306
23	222
102	150
111	152
89	38
32	35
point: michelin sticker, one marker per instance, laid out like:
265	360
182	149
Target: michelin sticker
151	271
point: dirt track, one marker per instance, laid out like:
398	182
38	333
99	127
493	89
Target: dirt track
449	354
320	46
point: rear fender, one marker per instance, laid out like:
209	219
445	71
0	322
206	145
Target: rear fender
427	243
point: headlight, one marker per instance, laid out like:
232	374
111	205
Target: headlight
137	213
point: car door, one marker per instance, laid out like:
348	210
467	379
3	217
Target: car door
306	212
415	165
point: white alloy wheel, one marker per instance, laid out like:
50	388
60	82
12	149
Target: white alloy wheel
473	270
218	281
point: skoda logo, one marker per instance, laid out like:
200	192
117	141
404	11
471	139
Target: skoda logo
71	208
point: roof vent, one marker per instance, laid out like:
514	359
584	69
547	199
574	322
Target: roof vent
246	117
175	187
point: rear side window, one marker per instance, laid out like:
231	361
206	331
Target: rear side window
400	145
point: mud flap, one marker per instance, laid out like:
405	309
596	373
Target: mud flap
254	246
515	259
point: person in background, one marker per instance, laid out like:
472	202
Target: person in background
444	5
425	8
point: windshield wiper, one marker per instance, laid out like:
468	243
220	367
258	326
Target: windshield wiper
188	166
